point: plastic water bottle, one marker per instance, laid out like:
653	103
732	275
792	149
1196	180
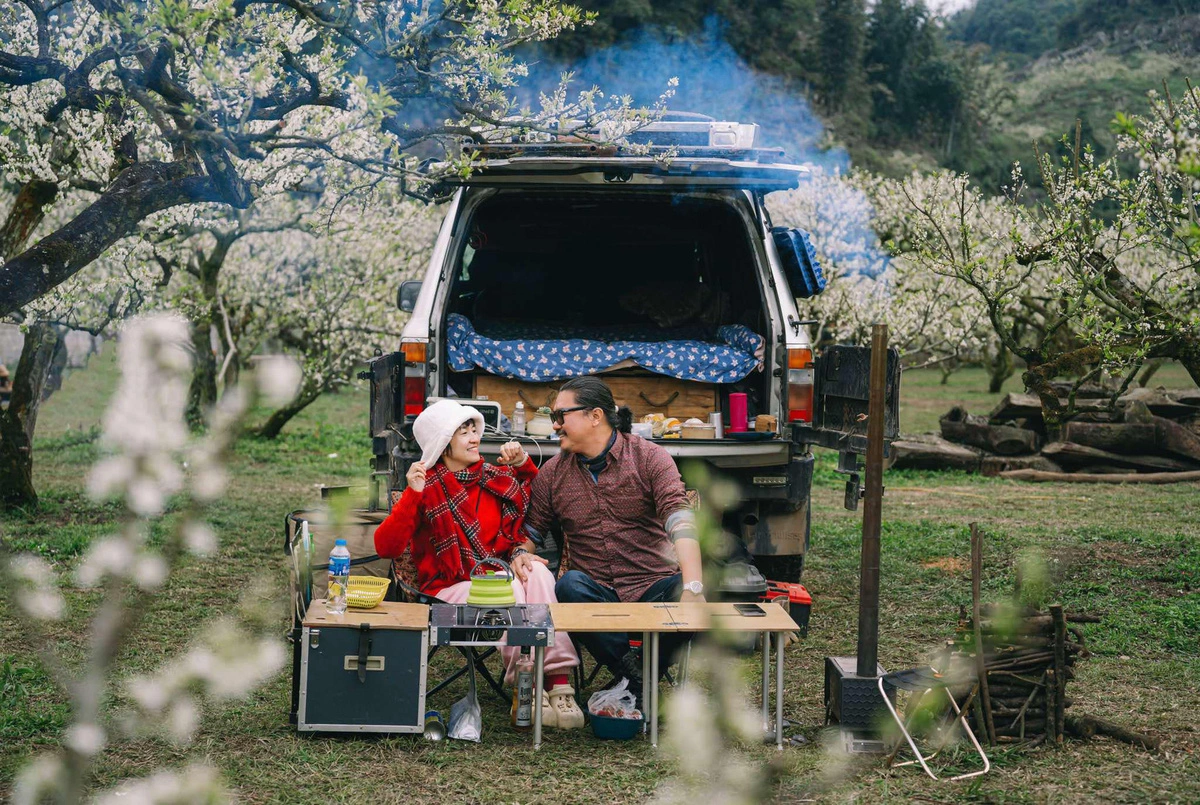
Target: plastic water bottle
339	577
518	420
522	709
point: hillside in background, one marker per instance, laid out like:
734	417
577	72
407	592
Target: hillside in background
1058	61
889	82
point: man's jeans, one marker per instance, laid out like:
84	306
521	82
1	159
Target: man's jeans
576	587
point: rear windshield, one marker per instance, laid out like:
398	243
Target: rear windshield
679	264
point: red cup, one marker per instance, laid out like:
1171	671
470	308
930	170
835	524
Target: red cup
737	412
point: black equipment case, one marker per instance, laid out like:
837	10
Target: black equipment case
364	670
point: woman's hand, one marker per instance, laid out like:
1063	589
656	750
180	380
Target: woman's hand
522	564
416	477
512	455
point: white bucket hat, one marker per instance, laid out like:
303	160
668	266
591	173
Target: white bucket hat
437	424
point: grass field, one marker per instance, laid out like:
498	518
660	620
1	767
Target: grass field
1127	553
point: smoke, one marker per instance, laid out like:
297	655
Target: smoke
713	80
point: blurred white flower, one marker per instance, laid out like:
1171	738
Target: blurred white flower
109	556
38	596
150	694
278	379
199	539
144	423
150	571
86	739
183	718
40	777
193	784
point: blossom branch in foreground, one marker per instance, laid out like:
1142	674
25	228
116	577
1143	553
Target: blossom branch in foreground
145	431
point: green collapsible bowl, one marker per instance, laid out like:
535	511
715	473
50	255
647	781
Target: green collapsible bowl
490	589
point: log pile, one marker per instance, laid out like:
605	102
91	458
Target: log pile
1027	663
1022	659
1147	434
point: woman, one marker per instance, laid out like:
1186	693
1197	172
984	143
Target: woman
458	510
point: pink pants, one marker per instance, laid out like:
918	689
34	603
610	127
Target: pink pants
537	589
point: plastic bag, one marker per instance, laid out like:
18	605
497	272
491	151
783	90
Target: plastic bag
466	719
616	702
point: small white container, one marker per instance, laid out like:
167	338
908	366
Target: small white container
643	429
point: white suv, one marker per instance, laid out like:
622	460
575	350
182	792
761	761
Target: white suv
660	256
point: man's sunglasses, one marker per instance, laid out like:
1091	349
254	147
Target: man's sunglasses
559	414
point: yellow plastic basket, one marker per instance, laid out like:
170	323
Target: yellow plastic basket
365	592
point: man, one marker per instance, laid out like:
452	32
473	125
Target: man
621	503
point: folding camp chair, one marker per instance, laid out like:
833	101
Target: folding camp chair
923	682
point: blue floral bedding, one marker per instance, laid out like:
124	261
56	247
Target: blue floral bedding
732	356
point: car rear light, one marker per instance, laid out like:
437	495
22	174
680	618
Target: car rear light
414	351
800	385
415	372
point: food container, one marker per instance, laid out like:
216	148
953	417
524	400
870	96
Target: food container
696	429
539	426
643	429
607	728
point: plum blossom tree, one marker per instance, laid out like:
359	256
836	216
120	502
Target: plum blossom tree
96	299
312	274
149	459
224	101
933	319
1067	290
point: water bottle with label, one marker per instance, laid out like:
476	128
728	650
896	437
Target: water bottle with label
339	577
518	420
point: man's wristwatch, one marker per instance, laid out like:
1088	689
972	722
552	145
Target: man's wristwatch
695	587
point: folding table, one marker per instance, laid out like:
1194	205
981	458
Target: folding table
715	617
652	619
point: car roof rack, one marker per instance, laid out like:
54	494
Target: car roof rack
688	138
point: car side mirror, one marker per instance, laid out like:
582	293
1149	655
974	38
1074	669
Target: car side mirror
406	297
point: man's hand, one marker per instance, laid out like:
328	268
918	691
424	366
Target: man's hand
512	455
686	597
416	477
522	564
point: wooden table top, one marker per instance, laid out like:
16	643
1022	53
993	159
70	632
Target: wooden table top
705	616
388	615
618	617
667	617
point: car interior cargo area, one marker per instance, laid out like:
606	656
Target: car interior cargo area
657	290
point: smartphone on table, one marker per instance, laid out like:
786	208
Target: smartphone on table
750	610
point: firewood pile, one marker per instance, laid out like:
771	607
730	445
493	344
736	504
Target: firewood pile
1028	660
1021	660
1147	435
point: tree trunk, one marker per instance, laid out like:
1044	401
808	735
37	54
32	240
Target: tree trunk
1073	456
933	453
17	423
138	191
1000	368
202	394
274	424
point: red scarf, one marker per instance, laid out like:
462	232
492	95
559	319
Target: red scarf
455	526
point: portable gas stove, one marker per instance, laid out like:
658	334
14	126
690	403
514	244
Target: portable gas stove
471	625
